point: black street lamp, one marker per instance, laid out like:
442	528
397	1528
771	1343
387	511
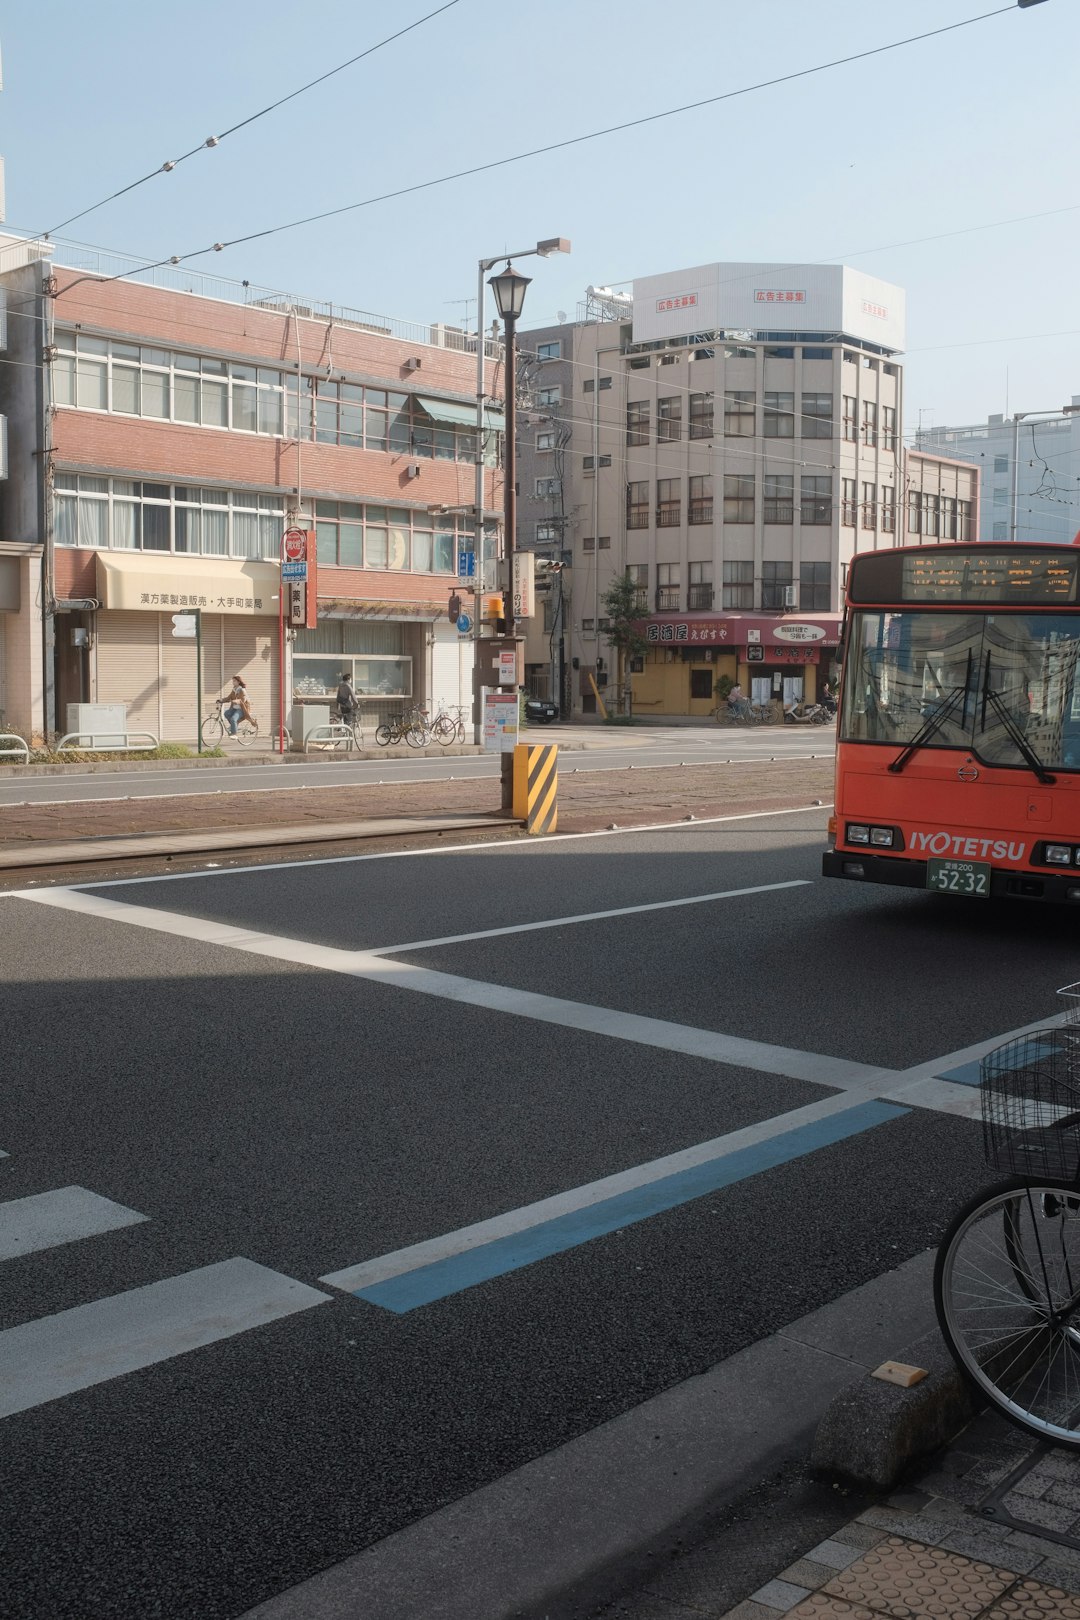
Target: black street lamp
509	289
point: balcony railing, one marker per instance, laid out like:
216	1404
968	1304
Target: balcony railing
668	515
641	600
701	511
637	517
667	599
701	596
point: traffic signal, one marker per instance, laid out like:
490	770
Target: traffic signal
453	611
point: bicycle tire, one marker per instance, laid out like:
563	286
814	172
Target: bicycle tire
416	735
246	732
213	730
1007	1296
445	730
383	735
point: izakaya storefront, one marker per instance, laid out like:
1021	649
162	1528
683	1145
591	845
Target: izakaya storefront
786	657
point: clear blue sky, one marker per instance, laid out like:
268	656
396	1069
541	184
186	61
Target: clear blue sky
969	128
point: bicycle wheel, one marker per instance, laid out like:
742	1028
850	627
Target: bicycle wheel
246	732
213	729
417	734
383	735
1007	1295
445	730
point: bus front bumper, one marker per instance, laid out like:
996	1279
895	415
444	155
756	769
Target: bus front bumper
859	866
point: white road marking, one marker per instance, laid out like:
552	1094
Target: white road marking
57	1355
64	1215
502	844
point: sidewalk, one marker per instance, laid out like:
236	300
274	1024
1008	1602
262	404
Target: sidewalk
588	801
991	1531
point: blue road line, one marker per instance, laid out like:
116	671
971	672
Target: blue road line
442	1278
1035	1047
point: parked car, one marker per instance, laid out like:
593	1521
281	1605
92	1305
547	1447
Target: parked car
540	711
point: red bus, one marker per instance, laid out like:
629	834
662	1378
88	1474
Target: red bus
958	732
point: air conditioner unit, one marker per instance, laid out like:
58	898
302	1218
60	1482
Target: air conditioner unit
413	470
791	596
413	363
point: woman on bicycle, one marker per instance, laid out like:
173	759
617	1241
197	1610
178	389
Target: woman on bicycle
239	706
737	702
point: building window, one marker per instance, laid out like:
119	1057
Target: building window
637	504
547	534
817	419
964	517
848	502
779	416
1001	495
701	499
738	587
775	579
738	497
931	516
637	422
869	421
739	414
851	421
701	586
783	353
869	506
603	542
779	498
949	523
588	627
588	464
816	499
888	508
668	503
589	543
701	416
548	488
817	354
638	575
701	682
814	587
914	516
545	441
1001	464
849	358
669	419
549	396
888	427
549	351
667	587
642	363
1001	531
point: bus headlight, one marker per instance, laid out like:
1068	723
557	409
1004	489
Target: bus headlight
882	836
1059	855
856	833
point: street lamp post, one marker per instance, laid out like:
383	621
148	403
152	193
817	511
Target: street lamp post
509	287
544	249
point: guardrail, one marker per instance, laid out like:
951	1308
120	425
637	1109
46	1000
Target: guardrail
19	748
121	742
329	734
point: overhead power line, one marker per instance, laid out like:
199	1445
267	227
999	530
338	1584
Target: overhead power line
216	140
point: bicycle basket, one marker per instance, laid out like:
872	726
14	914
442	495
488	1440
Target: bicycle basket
1070	1001
1031	1106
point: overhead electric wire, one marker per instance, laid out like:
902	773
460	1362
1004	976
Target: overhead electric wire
596	134
215	140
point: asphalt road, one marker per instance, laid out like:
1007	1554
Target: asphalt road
593	749
276	1077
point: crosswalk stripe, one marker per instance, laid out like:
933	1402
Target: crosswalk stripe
56	1355
64	1215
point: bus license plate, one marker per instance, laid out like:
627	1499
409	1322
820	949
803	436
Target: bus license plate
959	877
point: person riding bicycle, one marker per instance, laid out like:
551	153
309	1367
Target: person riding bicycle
239	705
828	699
346	700
738	702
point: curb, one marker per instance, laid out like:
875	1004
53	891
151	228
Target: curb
873	1432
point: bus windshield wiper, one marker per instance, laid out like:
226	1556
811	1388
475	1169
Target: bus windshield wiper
1012	730
936	719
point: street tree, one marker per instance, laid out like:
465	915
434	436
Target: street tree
621	607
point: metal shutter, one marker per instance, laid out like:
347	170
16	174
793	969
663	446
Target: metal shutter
250	651
127	666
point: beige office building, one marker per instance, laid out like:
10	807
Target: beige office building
730	435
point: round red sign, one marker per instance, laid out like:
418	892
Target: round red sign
295	545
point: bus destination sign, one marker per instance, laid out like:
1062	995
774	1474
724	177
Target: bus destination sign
1020	576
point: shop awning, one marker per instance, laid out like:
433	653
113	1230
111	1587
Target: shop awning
741	629
141	580
453	414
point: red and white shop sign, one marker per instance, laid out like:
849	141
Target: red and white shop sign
295	545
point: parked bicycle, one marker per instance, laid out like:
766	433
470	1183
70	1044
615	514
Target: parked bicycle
448	726
1007	1278
215	727
410	727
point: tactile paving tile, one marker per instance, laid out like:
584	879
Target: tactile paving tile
820	1607
1030	1601
910	1581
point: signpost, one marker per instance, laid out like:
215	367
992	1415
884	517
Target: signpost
294	570
466	564
464	624
500	722
299	572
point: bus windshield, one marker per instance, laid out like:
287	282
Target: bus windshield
1003	686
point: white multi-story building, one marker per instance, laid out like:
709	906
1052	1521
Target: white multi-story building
1029	470
729	435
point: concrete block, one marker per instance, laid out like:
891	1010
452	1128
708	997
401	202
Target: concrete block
873	1431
